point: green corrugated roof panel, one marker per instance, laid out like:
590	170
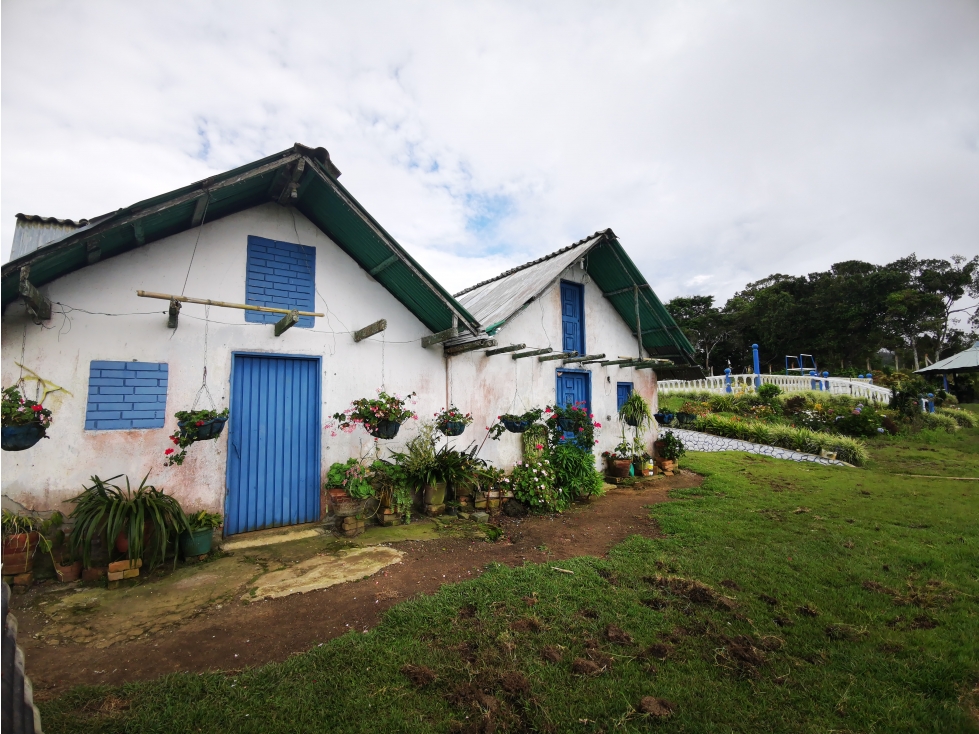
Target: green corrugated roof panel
321	199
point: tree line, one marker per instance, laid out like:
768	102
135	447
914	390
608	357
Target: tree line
844	316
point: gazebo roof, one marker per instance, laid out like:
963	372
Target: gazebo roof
967	361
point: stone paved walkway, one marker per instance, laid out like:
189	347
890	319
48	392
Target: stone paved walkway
697	441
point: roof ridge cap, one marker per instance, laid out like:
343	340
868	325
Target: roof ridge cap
539	260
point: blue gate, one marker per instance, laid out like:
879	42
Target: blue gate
273	442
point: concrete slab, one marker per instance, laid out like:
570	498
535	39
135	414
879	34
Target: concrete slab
323	571
271	537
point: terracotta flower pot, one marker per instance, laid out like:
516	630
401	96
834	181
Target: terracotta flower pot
619	467
20	543
71	572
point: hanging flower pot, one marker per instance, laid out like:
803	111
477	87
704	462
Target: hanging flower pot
24	421
207	429
685	419
452	428
194	426
566	424
452	421
384	429
515	426
664	419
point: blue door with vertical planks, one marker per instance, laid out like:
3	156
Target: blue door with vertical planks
572	317
273	442
574	388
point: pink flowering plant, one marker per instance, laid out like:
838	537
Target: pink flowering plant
499	428
189	424
19	411
369	412
572	424
452	415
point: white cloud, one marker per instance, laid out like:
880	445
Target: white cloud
722	142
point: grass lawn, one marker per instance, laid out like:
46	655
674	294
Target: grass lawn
784	597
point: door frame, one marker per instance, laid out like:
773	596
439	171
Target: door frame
318	358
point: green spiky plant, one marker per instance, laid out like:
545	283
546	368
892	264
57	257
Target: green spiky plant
107	510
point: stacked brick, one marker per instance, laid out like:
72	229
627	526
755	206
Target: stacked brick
126	395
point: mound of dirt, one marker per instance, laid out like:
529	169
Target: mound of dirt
658	707
419	675
552	654
692	590
581	666
616	634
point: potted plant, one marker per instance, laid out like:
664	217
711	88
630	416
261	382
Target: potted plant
664	419
147	520
641	461
426	468
452	422
24	421
193	426
349	486
514	423
381	417
572	423
619	460
20	541
635	411
391	487
197	540
669	449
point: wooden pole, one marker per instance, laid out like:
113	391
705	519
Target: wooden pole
534	353
376	328
557	355
504	350
223	304
635	292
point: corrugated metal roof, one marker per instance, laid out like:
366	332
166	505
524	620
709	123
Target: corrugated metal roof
33	232
967	361
320	198
494	302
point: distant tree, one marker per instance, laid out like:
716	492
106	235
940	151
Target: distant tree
704	324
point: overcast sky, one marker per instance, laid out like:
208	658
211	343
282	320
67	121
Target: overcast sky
722	141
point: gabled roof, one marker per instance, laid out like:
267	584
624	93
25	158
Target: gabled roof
967	361
302	176
496	301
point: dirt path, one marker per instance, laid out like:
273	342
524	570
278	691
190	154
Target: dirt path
239	636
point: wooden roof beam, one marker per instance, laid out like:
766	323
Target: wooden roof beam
35	300
469	346
504	350
532	353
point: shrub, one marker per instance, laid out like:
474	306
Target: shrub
670	446
769	392
574	471
860	421
940	422
963	418
533	484
582	425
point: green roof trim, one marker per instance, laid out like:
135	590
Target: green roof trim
319	197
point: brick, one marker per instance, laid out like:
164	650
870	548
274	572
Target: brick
136	414
148	423
116	575
434	510
107	381
106	365
113	585
15	569
141	382
23	579
143	366
147	400
352	522
151	390
116	390
117	373
89	425
352	533
98	415
93	574
131	573
125	565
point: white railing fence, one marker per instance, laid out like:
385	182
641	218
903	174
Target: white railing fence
854	386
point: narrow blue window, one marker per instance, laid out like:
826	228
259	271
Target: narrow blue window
572	317
279	275
622	392
126	395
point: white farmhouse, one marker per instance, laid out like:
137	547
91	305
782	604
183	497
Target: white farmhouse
283	233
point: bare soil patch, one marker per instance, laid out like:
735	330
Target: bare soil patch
239	636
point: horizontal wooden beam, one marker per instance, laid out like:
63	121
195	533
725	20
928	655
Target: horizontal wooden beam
222	304
557	355
439	337
586	358
504	350
532	353
40	305
286	322
469	346
609	362
376	328
620	291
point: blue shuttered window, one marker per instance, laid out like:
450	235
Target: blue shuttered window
125	395
279	275
572	317
622	392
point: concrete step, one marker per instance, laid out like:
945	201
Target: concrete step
271	536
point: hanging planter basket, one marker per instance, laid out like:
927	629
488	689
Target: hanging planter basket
19	438
664	419
452	428
385	429
685	419
210	429
518	426
630	421
566	424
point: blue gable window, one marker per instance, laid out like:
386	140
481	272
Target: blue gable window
126	395
279	275
622	392
572	317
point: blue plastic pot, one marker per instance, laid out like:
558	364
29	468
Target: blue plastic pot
210	429
452	428
18	438
515	426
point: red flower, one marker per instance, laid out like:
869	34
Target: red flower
200	423
168	452
175	440
37	408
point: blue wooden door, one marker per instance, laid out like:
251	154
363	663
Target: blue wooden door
273	442
572	318
574	388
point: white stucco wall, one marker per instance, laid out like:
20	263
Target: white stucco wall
60	352
490	386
